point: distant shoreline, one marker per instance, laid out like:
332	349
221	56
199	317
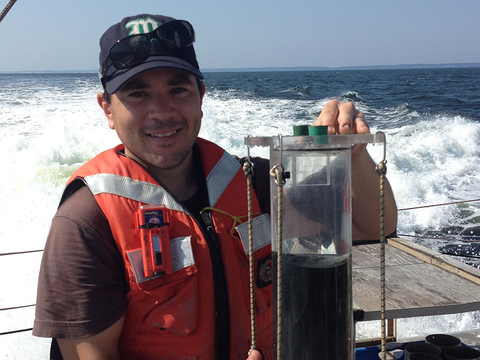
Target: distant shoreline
276	69
372	67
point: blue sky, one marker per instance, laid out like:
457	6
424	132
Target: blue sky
63	35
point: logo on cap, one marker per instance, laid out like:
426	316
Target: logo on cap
142	26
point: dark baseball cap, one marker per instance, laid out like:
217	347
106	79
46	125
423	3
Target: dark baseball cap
179	56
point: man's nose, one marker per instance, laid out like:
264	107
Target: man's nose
160	107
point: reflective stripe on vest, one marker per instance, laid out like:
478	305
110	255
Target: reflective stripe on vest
220	176
129	188
142	191
182	257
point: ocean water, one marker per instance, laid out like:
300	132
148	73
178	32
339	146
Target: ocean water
50	124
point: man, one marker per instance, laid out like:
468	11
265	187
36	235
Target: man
94	293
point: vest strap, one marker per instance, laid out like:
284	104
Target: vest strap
220	176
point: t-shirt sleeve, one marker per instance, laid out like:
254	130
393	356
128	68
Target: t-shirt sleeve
82	284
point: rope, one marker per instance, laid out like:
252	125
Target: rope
437	238
15	331
20	252
382	171
464	256
427	206
7	9
17	307
277	173
248	168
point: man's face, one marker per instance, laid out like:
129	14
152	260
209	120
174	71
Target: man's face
157	116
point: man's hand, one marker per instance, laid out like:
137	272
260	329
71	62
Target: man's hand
342	118
255	355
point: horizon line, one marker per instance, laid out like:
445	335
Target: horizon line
289	68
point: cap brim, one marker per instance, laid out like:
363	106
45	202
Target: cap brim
116	81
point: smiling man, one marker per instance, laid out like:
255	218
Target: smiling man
103	293
157	116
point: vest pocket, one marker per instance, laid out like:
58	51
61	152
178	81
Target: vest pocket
182	258
164	304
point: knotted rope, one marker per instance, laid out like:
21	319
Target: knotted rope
382	171
248	169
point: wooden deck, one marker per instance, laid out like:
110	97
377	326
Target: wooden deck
419	282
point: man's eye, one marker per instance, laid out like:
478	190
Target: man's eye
137	94
178	90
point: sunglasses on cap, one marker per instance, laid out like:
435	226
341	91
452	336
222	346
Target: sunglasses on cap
135	49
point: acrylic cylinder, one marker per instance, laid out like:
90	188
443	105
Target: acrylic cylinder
312	250
316	301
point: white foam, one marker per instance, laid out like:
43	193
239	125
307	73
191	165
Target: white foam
48	133
433	162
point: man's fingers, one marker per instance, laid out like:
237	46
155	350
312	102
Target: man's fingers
359	124
338	116
346	118
254	355
328	116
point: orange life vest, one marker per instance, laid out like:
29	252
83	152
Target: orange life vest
173	316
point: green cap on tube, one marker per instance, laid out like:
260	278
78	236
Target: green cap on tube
317	130
300	130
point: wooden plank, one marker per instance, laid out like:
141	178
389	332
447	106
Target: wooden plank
437	259
407	297
369	255
415	284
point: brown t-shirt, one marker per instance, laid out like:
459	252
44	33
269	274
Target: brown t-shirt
82	284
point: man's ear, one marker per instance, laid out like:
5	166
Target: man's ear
107	109
204	89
